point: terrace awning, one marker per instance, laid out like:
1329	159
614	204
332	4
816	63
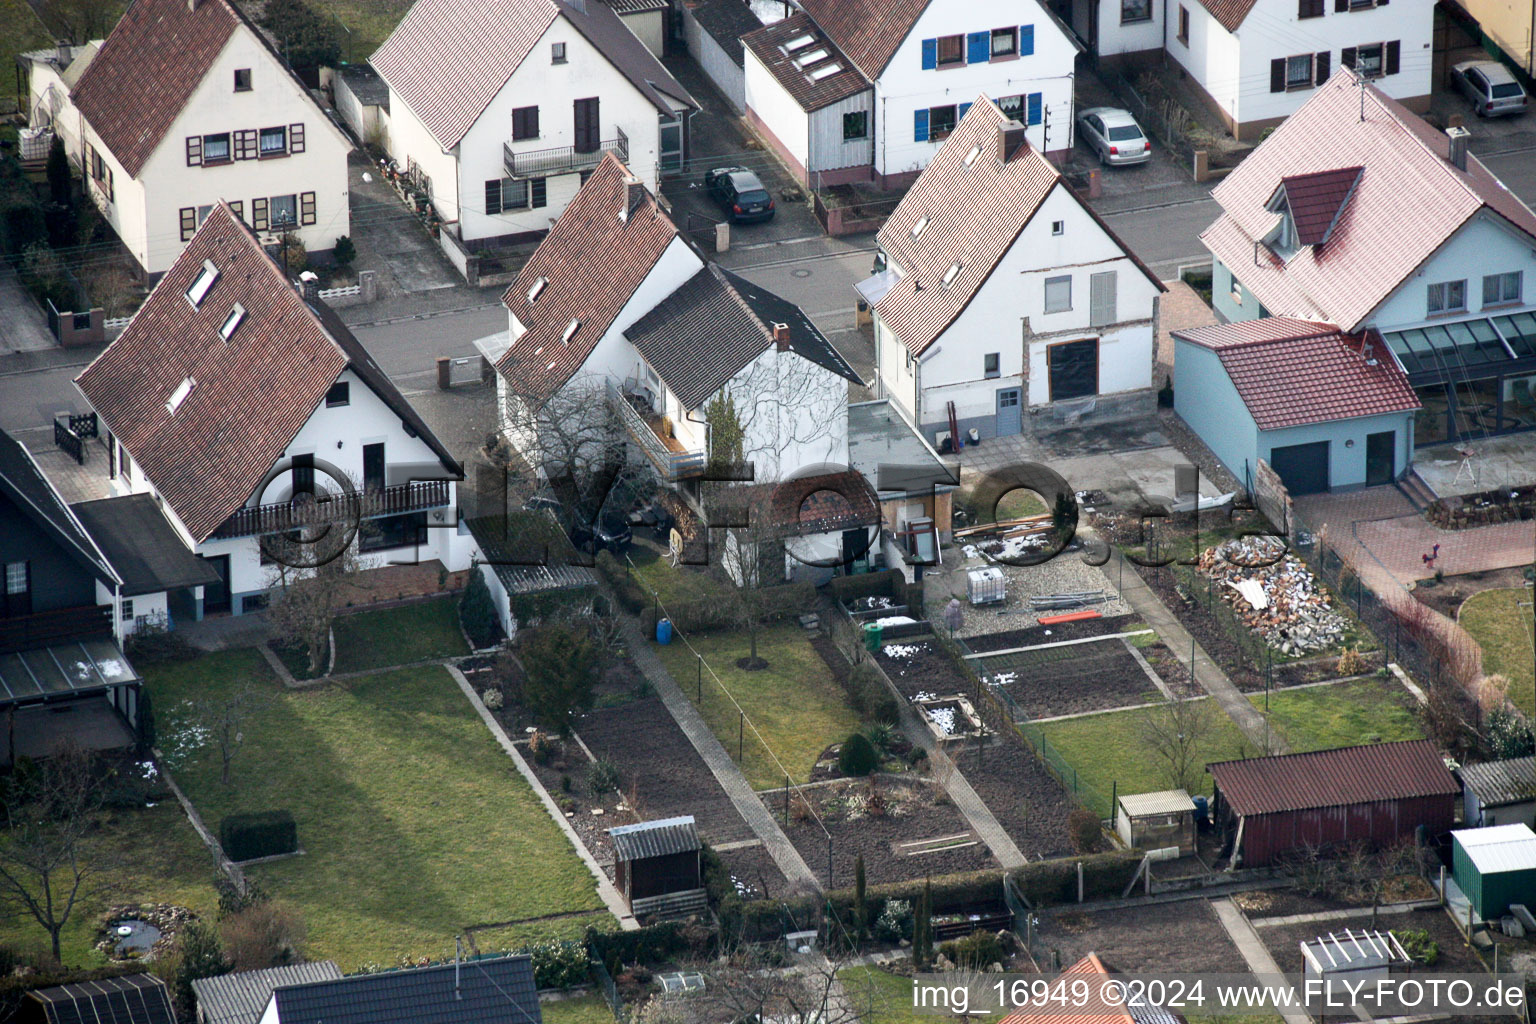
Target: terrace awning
1470	348
63	670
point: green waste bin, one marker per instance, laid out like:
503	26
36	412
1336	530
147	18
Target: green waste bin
872	634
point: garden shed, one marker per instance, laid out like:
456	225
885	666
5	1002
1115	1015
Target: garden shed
1499	792
130	999
1155	821
1380	793
657	868
1494	867
1353	957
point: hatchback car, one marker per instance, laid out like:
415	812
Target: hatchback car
740	194
1114	135
1490	87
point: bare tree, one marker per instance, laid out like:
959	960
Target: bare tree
752	557
80	20
1174	733
744	986
787	408
309	599
48	865
225	717
571	438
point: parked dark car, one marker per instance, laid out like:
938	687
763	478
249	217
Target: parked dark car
611	532
740	194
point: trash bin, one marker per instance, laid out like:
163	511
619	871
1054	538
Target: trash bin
872	634
664	631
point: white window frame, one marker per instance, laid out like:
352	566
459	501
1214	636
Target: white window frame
1294	82
1438	298
1055	305
1502	294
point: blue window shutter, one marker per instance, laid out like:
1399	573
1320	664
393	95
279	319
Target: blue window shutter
1034	107
978	47
1026	40
920	125
960	111
930	54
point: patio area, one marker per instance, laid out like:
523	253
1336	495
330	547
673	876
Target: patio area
1477	464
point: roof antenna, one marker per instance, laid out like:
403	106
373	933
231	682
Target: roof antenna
1362	99
458	951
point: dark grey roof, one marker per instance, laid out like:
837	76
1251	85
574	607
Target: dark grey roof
891	454
141	544
366	85
499	991
530	553
659	838
623	7
130	999
606	31
23	482
1501	782
241	997
727	21
711	328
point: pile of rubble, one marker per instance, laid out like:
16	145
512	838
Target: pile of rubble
1281	601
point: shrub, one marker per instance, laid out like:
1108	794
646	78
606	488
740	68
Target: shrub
477	612
492	699
1055	881
559	964
1508	735
858	756
152	642
880	735
976	951
198	955
1418	944
655	943
292	253
344	252
542	747
263	834
628	592
1087	834
1350	663
603	776
266	934
869	696
894	922
234	901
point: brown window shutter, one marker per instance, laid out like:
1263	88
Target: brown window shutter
111	192
1321	67
296	138
188	222
194	150
1277	75
259	214
306	208
245	144
1340	6
1347	57
237	208
1394	57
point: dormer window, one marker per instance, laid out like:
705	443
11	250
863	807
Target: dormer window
198	290
231	322
1281	239
570	331
180	394
950	274
537	289
919	227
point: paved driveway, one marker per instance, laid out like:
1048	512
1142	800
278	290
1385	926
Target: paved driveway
390	240
23	328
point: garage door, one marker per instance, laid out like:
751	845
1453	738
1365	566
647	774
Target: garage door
1303	467
1074	368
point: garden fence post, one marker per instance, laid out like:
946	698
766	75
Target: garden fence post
701	678
741	735
829	862
786	798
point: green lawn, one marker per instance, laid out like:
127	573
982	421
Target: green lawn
888	997
1108	751
369	21
398	636
22	31
1018	503
414	824
796	704
685	583
1503	630
1345	715
153	855
591	1008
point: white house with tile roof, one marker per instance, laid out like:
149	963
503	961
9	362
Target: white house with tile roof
186	104
248	412
1003	292
502	108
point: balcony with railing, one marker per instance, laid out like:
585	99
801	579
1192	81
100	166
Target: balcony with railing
672	459
539	163
349	507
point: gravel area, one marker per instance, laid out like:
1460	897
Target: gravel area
1065	573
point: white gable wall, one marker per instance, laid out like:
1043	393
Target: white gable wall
1118	37
1210	53
770	105
905	87
409	141
794	411
1484	245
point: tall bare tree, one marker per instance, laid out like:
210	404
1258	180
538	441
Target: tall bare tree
571	438
49	867
80	21
1175	733
225	717
745	987
309	599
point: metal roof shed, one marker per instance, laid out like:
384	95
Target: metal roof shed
657	866
1495	867
1355	955
1155	821
1499	792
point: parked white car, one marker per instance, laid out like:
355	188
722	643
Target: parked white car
1491	88
1114	135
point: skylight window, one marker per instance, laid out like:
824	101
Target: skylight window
919	227
812	57
537	289
570	331
202	282
824	71
970	157
950	274
227	329
799	43
180	394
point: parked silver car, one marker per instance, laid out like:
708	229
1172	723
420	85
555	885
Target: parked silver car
1114	135
1491	88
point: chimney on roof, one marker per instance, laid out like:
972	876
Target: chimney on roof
64	53
309	286
781	337
192	4
634	195
1458	153
1010	137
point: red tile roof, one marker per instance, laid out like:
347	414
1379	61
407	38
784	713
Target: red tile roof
809	504
147	69
868	31
1105	1012
1334	778
1292	372
253	392
1230	14
1316	201
767	44
973	215
593	262
1374	248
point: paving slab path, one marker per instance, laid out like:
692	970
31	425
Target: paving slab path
735	784
1254	952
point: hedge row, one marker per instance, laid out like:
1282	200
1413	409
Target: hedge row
477	612
700	616
890	583
869	696
628	592
654	943
1054	882
263	834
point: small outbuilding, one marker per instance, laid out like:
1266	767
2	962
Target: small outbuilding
1381	793
1499	792
1494	867
657	868
1155	821
130	999
1353	957
242	996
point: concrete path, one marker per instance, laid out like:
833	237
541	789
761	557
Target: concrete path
610	896
1253	949
26	328
1340	915
735	784
1205	671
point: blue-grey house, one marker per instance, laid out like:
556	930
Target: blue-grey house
1379	244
